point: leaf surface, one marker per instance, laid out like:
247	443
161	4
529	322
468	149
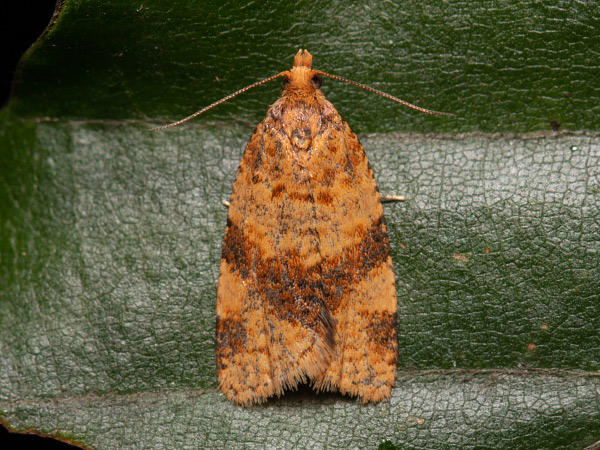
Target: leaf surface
110	235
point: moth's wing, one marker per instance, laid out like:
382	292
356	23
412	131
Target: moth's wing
273	329
357	264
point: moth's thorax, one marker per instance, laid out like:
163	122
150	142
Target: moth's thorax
304	127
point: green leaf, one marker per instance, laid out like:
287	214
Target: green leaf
110	235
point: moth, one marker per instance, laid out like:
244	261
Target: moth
306	291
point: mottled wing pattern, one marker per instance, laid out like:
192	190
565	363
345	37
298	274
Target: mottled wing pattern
357	267
306	290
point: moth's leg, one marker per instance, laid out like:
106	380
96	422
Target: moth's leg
392	198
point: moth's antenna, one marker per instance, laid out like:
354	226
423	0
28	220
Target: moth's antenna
224	99
383	94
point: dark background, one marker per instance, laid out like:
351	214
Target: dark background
21	24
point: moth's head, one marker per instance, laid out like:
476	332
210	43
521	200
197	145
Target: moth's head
302	77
